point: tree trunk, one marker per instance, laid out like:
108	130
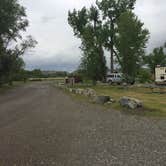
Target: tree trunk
10	83
103	63
112	59
112	48
94	82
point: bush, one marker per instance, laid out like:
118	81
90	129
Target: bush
144	76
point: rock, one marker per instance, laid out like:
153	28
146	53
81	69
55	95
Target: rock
108	103
89	92
79	91
112	100
124	84
131	103
74	91
101	99
70	90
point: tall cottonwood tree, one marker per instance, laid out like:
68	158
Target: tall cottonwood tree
103	26
130	42
87	26
111	11
12	22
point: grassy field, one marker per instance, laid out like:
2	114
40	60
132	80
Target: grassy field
56	79
154	101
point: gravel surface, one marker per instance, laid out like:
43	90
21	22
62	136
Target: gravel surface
42	126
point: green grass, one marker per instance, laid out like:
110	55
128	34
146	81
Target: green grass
56	79
154	103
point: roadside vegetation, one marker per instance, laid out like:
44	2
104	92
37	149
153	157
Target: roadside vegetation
153	98
111	25
13	45
5	87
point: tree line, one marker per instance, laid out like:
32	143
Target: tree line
13	22
112	25
107	25
37	73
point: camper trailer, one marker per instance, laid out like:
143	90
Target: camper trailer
160	75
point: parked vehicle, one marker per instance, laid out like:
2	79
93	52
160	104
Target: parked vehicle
114	78
160	75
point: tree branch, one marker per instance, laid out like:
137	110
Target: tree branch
117	57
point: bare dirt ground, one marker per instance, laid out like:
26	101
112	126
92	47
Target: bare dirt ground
42	126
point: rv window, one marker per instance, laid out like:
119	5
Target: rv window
162	77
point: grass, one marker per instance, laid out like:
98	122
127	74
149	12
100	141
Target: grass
56	79
154	102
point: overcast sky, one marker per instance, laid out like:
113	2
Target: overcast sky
58	49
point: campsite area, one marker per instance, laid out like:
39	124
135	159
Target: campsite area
42	125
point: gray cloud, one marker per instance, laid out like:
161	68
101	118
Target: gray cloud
59	61
46	19
59	49
152	13
52	65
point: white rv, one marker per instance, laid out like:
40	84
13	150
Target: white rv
160	75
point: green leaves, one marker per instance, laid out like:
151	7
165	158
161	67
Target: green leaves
110	24
130	43
111	10
78	20
12	22
87	25
157	57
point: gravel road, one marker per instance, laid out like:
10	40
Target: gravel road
42	126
